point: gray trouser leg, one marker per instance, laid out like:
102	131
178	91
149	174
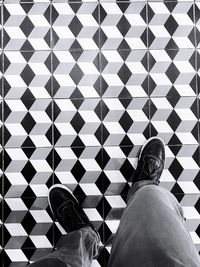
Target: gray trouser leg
76	249
152	231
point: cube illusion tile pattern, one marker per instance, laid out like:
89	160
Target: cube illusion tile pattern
26	26
82	86
75	26
27	74
171	26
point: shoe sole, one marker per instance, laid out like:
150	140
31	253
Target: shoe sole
59	186
147	141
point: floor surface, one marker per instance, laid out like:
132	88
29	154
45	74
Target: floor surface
83	85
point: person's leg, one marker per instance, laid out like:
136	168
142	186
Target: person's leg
77	248
152	230
80	245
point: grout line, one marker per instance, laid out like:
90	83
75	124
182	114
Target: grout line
196	69
52	115
101	125
52	98
52	110
195	31
3	148
148	70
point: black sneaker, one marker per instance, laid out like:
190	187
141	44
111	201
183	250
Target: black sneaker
67	210
151	161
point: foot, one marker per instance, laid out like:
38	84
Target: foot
151	161
67	209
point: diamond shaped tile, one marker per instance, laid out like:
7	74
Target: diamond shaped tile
119	167
190	204
123	26
75	26
26	26
76	119
76	74
181	169
123	23
28	172
79	30
124	73
14	256
77	165
171	25
27	74
28	123
136	125
28	127
185	131
172	72
27	228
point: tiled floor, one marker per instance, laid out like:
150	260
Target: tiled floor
83	85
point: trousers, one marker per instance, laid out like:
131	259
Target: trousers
152	233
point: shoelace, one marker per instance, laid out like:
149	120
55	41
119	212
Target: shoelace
151	167
68	213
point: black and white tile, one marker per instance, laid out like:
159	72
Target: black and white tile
75	26
76	74
77	122
123	26
29	124
27	75
26	26
175	123
124	73
172	72
171	25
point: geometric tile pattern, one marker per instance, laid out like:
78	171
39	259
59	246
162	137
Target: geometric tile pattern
175	123
82	85
76	74
26	26
27	124
27	172
114	63
77	122
171	26
123	26
27	74
75	26
172	72
125	123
